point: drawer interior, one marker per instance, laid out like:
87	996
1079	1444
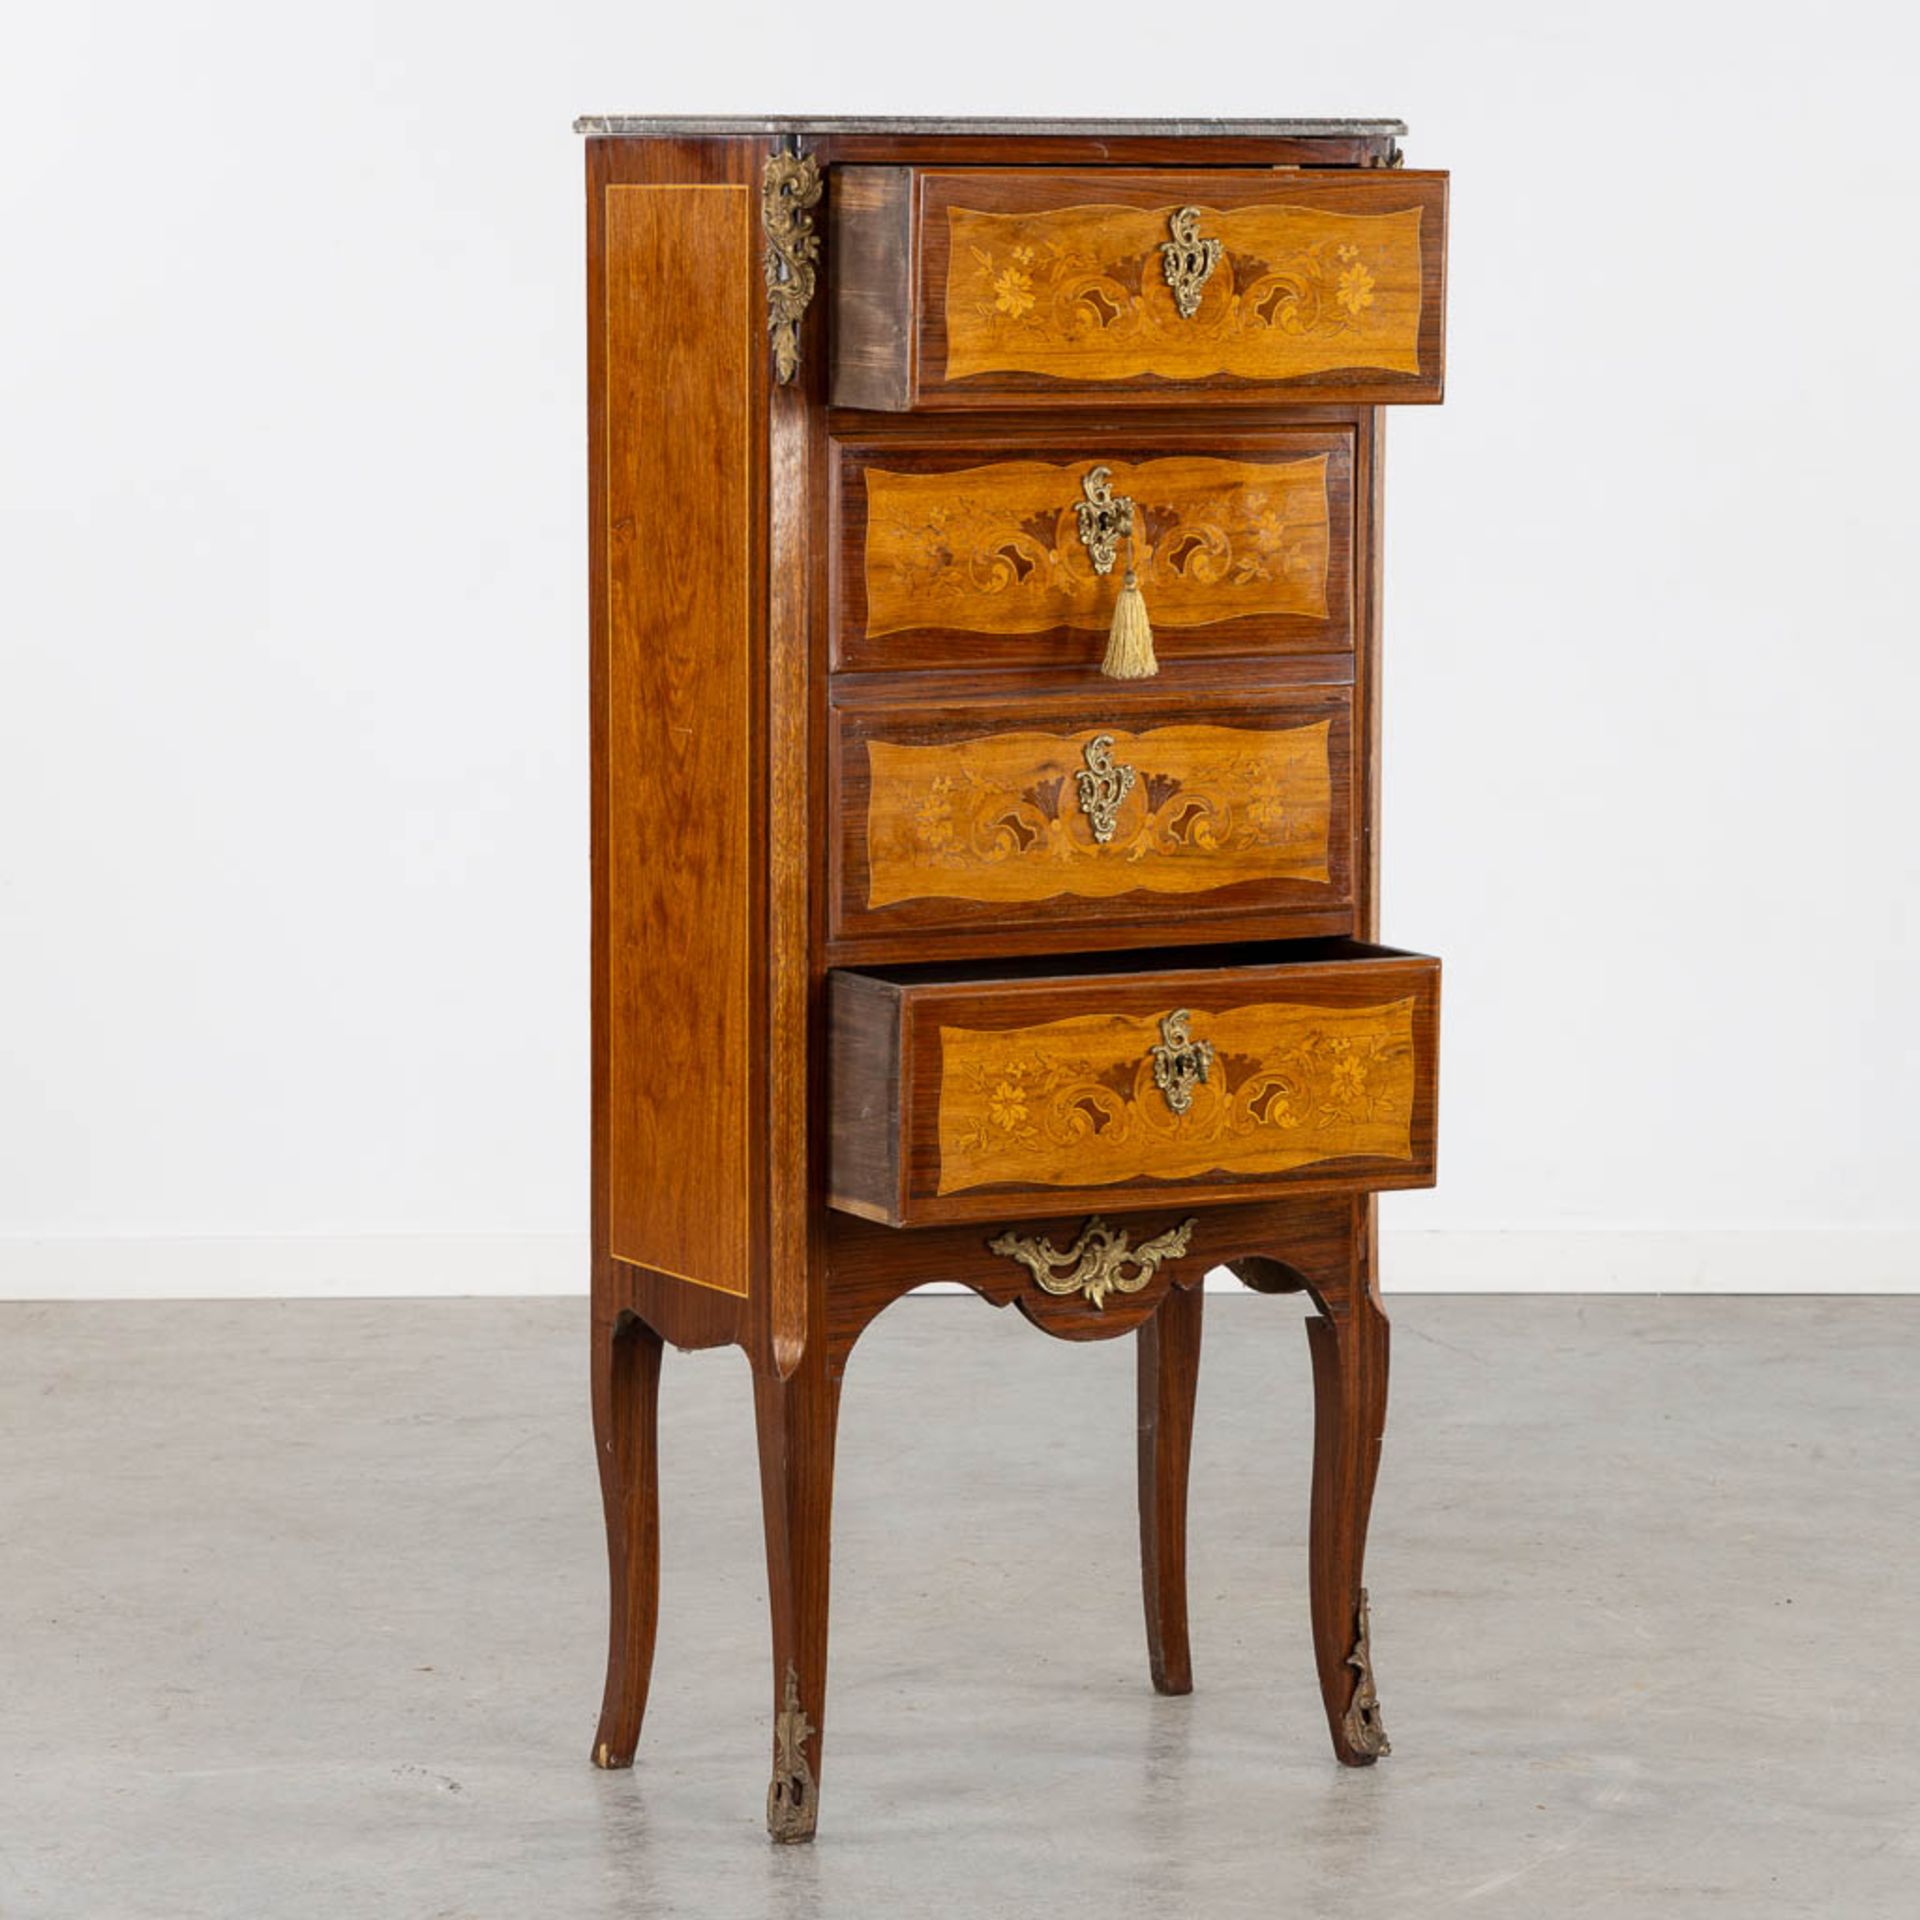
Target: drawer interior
1064	968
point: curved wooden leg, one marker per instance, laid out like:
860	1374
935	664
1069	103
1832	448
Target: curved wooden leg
1348	1342
626	1405
1168	1349
796	1419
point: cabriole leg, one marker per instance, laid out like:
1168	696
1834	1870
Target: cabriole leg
1348	1342
796	1419
1168	1349
626	1405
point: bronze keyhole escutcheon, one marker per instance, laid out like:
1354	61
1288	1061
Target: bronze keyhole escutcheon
1105	517
1103	783
1188	260
1180	1062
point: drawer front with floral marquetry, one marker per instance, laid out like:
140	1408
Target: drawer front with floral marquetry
1078	1088
1060	813
1012	553
1221	285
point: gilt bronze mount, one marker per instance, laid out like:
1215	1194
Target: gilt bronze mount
1180	1062
1105	518
1365	1731
790	189
1102	784
791	1805
1102	1259
1188	260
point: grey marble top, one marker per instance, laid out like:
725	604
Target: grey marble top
635	126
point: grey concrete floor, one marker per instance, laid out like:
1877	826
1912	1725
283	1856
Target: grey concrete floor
302	1613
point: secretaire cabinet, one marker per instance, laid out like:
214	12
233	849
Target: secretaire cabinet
985	548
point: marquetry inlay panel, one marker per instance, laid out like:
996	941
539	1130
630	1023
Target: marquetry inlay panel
1073	1104
996	549
1080	293
997	818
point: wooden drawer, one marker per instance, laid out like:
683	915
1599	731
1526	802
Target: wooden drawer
995	1090
976	286
973	554
1078	811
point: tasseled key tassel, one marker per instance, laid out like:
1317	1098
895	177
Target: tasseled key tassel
1130	639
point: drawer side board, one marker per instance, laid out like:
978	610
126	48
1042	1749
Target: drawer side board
864	1095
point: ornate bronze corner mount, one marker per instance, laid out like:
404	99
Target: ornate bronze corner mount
1105	517
792	1804
1102	1260
789	191
1365	1731
1102	784
1179	1060
1187	260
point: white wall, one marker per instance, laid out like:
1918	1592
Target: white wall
293	900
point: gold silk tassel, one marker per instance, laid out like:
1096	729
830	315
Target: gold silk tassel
1130	639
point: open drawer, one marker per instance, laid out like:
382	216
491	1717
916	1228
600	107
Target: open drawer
993	1089
981	286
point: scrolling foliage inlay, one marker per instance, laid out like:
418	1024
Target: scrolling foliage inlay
1073	1103
994	819
998	549
1080	293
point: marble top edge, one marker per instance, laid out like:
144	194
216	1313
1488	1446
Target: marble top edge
642	126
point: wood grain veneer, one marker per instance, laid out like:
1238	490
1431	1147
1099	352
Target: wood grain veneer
679	505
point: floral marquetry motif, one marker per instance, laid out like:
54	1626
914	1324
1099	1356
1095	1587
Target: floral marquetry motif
1000	549
1088	293
1024	817
1074	1103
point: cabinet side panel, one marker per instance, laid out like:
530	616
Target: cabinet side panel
681	332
